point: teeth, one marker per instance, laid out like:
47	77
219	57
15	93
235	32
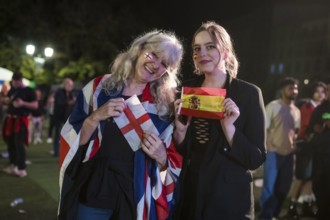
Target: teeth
149	70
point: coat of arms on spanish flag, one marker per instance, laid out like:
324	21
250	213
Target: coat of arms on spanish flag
133	121
202	102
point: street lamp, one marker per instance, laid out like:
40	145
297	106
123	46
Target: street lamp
30	49
48	52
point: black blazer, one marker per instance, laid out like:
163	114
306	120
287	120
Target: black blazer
221	183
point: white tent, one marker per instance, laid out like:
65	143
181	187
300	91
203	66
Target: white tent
6	75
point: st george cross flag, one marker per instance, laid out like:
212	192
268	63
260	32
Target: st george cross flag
134	121
202	102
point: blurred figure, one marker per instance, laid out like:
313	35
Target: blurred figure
303	168
63	103
320	124
50	114
20	100
282	123
37	117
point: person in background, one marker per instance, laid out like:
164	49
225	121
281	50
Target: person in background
303	168
63	103
50	114
101	176
37	118
320	124
282	123
21	100
219	155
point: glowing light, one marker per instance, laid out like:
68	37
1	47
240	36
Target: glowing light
30	49
49	52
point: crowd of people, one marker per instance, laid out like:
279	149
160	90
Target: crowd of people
24	116
125	152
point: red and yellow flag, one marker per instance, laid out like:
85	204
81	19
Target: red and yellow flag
202	102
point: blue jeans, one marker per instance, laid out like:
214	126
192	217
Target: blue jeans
278	174
58	127
89	213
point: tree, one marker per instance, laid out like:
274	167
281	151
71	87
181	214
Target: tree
86	36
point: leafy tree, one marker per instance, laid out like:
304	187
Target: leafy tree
86	36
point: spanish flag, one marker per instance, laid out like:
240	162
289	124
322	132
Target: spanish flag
202	102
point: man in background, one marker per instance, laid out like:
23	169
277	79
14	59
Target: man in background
282	123
63	103
21	101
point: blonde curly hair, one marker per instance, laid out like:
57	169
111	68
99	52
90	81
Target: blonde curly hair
169	47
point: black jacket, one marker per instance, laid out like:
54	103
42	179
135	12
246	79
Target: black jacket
220	181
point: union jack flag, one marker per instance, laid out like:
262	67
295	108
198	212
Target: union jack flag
154	196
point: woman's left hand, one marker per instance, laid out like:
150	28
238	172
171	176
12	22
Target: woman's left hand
154	147
231	112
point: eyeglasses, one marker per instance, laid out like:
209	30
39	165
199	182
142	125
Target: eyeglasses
153	57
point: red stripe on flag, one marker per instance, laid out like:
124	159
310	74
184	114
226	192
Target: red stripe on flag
202	114
170	188
95	84
146	177
146	94
176	159
96	147
64	149
135	123
204	91
97	81
162	207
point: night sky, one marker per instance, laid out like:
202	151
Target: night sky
90	23
185	16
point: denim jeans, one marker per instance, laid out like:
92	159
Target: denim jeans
278	174
89	213
58	127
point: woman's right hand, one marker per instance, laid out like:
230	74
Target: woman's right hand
180	126
179	123
112	108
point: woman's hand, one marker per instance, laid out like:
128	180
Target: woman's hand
227	123
154	147
231	112
112	108
180	126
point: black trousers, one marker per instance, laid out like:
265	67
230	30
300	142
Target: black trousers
321	184
16	149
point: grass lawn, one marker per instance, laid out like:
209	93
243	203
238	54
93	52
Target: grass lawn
39	189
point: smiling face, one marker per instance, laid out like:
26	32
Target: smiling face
319	94
149	67
206	55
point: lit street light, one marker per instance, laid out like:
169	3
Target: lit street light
48	52
30	49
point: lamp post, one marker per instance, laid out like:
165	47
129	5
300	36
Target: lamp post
39	60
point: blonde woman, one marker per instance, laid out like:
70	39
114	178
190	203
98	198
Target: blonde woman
216	181
117	182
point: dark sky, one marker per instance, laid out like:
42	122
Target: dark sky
186	16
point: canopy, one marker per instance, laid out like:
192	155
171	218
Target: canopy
6	75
